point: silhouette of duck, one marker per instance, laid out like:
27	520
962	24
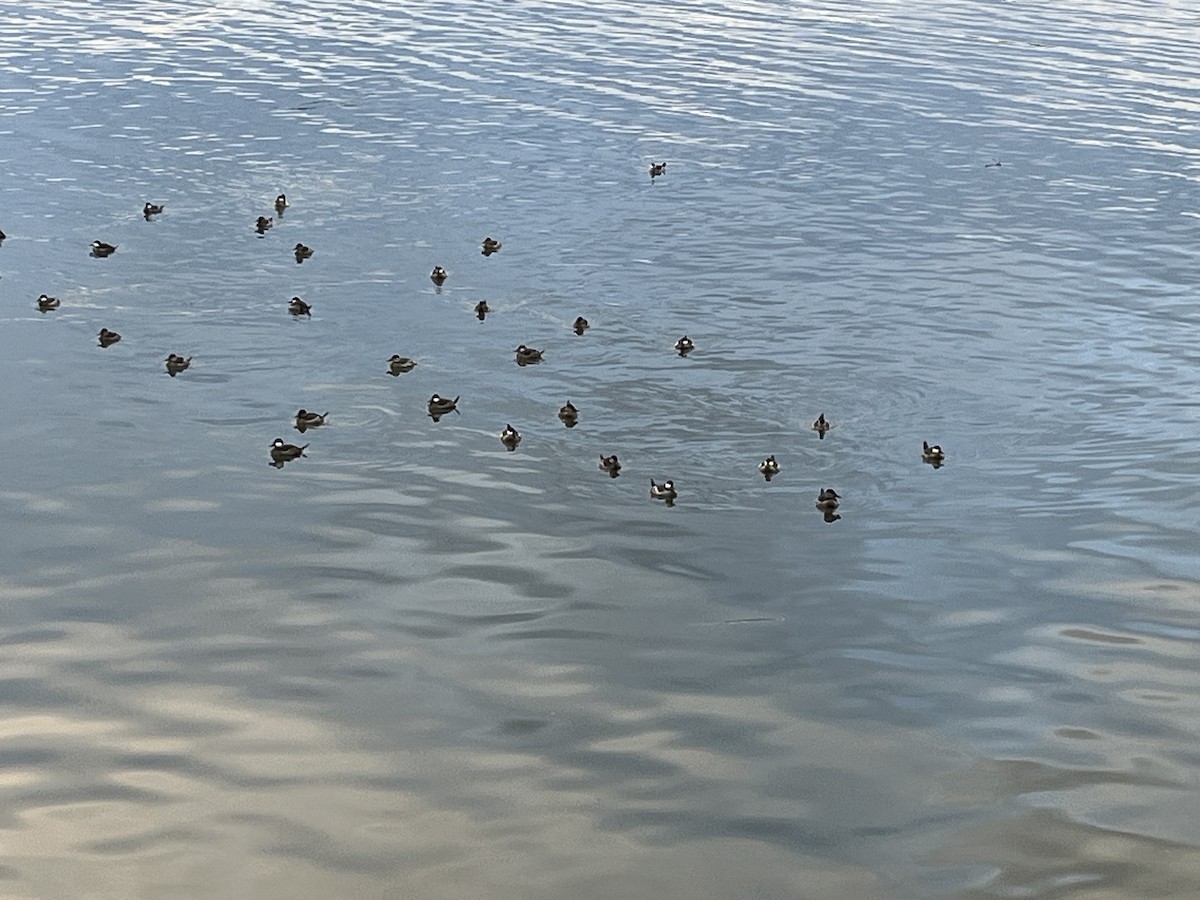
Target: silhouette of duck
263	223
685	345
108	338
298	307
828	500
820	426
281	203
611	465
665	491
101	249
398	364
438	276
510	437
581	325
302	252
282	452
490	246
306	420
177	364
481	310
657	169
151	209
527	355
769	467
439	406
934	455
569	414
45	303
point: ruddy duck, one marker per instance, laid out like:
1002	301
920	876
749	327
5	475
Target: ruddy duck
527	355
685	345
398	364
611	465
176	364
262	224
151	209
581	325
768	467
438	275
282	452
101	249
569	414
828	500
281	203
45	303
490	246
510	437
934	455
439	406
298	307
302	252
657	169
665	491
108	338
306	419
820	426
481	310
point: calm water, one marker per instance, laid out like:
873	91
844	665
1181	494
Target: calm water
416	665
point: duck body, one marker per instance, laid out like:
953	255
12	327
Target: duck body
45	303
820	425
302	252
439	405
828	500
108	338
298	307
306	419
932	453
151	209
611	465
527	355
657	169
281	203
490	246
665	491
581	325
263	223
398	364
569	414
281	451
101	249
438	276
177	364
481	310
684	345
769	467
510	437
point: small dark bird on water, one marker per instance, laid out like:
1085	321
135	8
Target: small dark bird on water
177	364
281	203
108	338
490	246
298	307
302	252
581	325
481	310
569	415
262	224
45	303
611	465
151	209
101	249
657	169
438	276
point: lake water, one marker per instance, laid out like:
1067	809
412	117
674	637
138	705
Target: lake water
416	665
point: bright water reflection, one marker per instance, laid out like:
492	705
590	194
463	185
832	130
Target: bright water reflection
415	664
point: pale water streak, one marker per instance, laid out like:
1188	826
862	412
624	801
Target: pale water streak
414	664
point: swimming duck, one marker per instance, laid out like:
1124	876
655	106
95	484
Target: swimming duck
439	406
820	426
176	364
490	246
685	345
306	419
665	491
611	465
151	209
398	364
510	437
527	355
263	223
768	467
298	307
569	414
101	249
657	169
281	203
828	500
438	275
481	310
2	235
302	252
934	454
581	325
108	338
282	452
45	303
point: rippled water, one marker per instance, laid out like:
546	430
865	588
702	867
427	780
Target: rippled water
413	664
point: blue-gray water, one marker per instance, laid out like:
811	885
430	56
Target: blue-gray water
416	665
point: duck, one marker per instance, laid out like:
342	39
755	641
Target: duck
828	500
481	310
490	246
45	303
657	169
581	325
665	491
438	275
610	464
176	364
101	249
302	252
298	307
569	414
306	419
932	453
151	209
281	203
282	452
769	467
108	338
820	425
685	345
439	406
3	235
527	355
510	437
398	364
263	223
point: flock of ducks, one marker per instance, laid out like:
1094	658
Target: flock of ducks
282	452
